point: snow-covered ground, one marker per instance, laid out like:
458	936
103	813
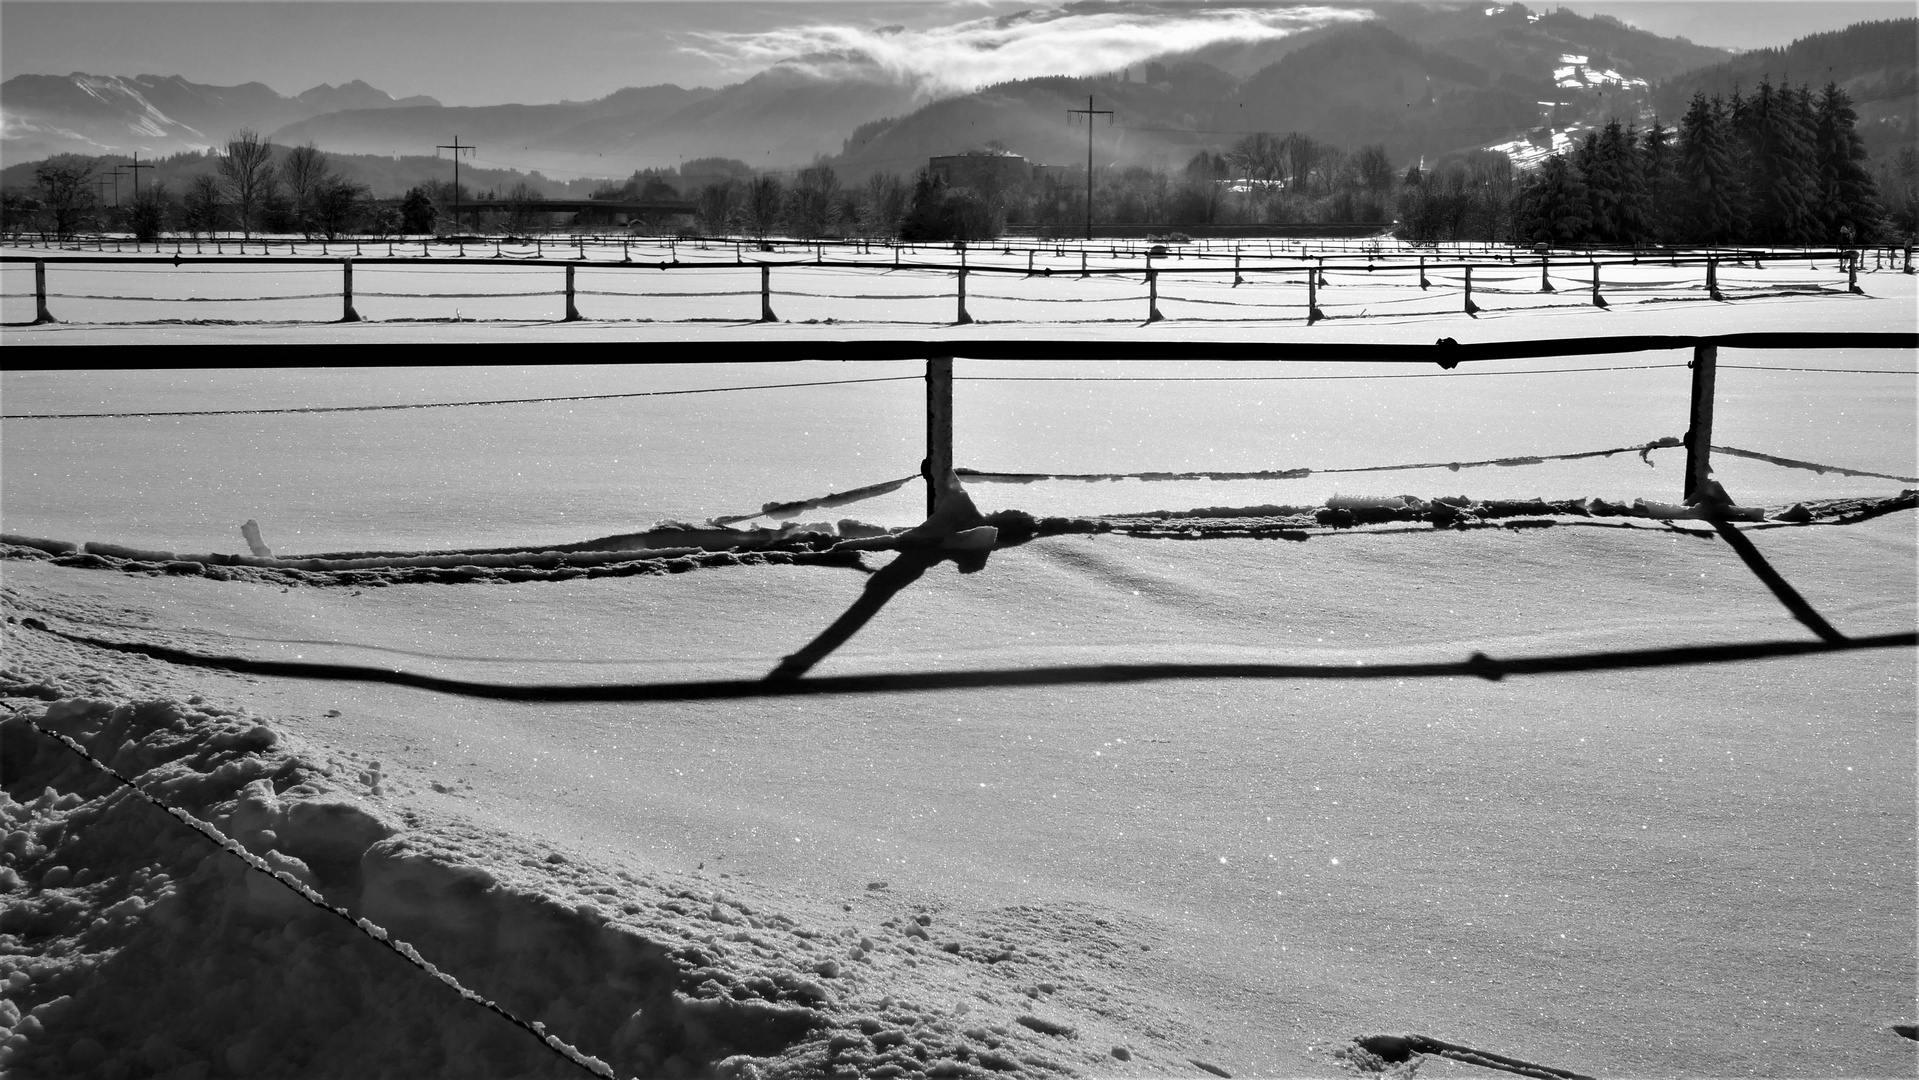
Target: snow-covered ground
1693	870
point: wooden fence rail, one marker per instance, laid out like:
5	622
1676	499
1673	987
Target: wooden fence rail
938	355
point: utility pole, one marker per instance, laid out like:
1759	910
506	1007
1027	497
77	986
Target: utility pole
136	167
115	176
456	148
1090	112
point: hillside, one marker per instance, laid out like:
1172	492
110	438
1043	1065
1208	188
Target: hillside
1877	63
1421	80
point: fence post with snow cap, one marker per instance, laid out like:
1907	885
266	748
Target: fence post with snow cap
766	294
572	313
1698	440
41	315
347	314
939	426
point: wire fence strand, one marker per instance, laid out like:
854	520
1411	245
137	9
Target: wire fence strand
452	404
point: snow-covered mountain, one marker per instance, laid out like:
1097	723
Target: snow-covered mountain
157	114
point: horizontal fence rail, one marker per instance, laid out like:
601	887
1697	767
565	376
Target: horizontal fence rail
1447	353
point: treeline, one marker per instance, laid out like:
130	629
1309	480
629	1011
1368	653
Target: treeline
1781	165
1261	179
253	186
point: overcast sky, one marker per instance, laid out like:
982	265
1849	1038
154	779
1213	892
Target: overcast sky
480	53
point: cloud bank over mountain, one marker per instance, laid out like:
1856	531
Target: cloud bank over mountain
1075	40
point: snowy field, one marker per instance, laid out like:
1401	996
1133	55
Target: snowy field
1697	870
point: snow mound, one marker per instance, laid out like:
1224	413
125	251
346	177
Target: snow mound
136	945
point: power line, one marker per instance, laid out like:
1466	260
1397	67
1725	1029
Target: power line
450	404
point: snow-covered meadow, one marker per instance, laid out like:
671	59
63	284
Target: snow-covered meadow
1691	870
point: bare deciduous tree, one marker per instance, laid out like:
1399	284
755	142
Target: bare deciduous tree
815	196
765	197
66	191
334	206
718	207
883	203
203	204
522	209
149	214
305	174
1375	168
247	174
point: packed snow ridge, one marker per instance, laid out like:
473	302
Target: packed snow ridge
118	914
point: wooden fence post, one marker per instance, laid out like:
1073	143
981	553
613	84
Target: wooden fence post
1545	283
1313	314
1423	283
1152	297
964	318
1471	308
1852	274
1712	280
40	313
1598	300
346	285
766	294
939	427
572	313
1705	369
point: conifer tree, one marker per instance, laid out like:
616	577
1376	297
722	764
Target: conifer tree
1848	206
1660	164
1597	181
1714	196
1632	210
1554	207
1778	132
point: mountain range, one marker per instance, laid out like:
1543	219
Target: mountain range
1422	79
159	114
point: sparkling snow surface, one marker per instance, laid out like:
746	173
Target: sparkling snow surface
1681	871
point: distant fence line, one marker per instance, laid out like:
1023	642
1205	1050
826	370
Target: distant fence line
1153	261
1266	245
